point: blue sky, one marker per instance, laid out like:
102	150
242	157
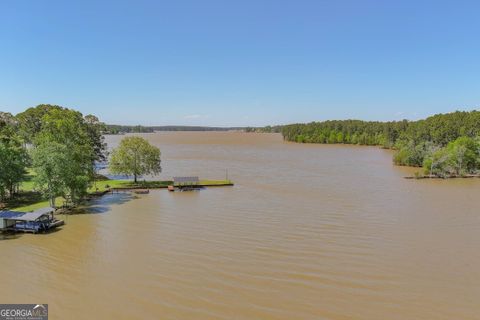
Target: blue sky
243	62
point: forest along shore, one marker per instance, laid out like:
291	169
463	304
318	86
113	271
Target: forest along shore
444	145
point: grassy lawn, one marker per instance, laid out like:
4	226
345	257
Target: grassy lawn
38	205
104	185
27	185
28	199
215	182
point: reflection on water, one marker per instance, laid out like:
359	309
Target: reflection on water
104	204
308	232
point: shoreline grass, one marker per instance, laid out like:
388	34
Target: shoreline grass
28	199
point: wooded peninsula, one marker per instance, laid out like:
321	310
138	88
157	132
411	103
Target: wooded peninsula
49	157
445	145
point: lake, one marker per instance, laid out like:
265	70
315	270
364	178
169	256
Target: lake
307	232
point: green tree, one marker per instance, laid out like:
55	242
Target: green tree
339	137
300	138
13	161
95	130
458	158
463	154
50	163
30	121
332	138
134	157
13	156
438	163
477	144
65	151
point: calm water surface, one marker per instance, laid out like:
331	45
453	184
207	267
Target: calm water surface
308	232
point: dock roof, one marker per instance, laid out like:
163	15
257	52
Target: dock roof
6	214
25	216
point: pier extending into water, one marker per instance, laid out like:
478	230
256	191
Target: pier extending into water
125	185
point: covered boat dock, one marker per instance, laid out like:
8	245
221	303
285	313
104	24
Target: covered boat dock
185	183
40	220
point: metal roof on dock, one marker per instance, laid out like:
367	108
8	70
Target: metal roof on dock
11	214
25	216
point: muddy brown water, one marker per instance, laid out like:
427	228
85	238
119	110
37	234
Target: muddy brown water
307	232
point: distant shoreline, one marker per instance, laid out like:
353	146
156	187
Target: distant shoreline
124	129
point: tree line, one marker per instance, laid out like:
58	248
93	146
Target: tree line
119	129
444	144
